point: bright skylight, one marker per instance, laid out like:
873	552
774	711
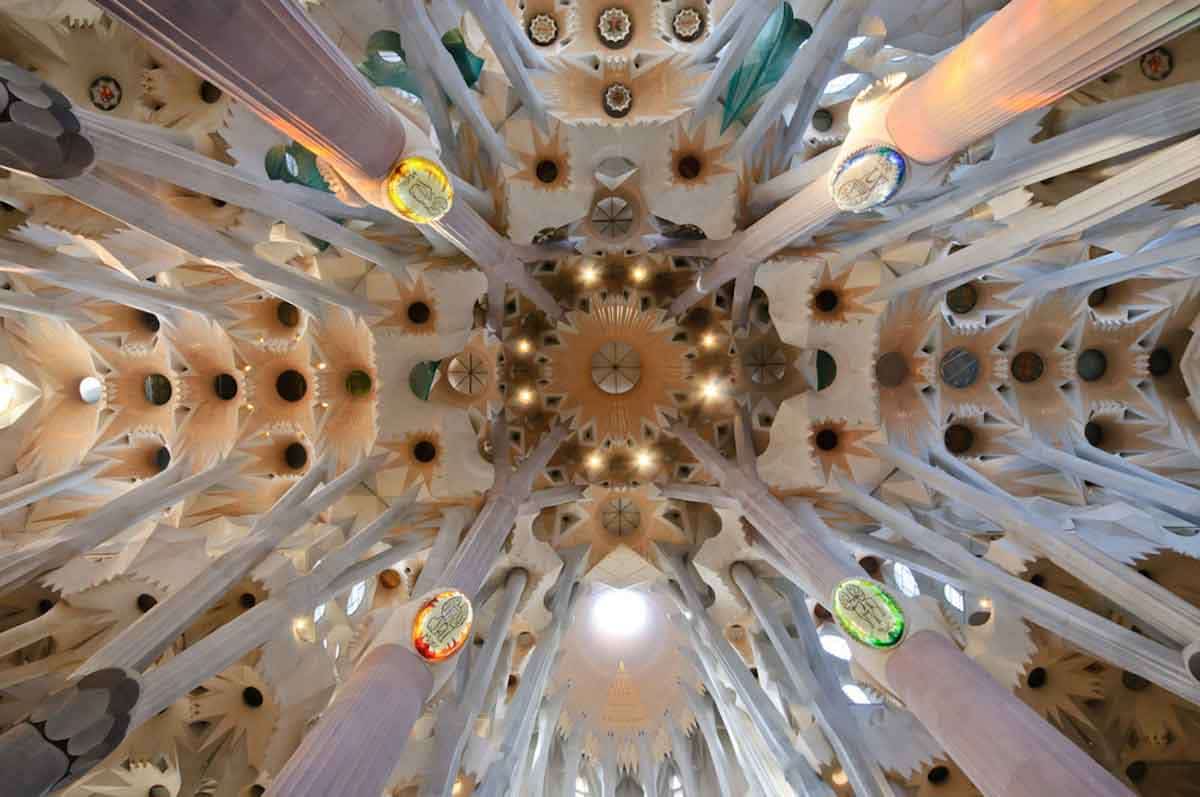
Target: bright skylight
620	612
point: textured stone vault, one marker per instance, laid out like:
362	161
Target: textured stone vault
202	320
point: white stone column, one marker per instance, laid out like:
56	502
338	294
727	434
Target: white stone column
270	56
454	720
1029	54
806	665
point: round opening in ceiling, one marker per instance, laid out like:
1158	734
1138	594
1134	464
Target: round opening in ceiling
547	171
419	313
424	451
90	389
296	456
225	386
288	314
291	385
962	299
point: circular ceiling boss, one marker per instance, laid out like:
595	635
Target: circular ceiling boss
420	190
442	626
868	614
616	367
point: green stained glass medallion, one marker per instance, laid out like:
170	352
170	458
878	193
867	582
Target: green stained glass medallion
868	614
766	62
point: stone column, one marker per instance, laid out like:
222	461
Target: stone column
364	730
454	722
269	55
1028	55
1005	748
806	666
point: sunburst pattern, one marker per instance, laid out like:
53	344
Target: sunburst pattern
664	370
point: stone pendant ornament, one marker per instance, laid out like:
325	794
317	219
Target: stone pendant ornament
442	625
868	614
420	190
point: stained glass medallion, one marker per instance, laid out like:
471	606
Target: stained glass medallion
868	614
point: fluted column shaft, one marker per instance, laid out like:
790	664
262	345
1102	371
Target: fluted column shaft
1003	745
1026	56
364	730
269	55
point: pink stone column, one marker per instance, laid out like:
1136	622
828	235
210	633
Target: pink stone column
358	740
1026	56
1005	748
269	55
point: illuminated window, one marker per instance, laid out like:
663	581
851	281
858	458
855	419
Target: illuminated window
357	594
581	787
836	646
676	786
954	597
856	694
905	580
318	613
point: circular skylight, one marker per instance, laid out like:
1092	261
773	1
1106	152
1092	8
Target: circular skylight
620	612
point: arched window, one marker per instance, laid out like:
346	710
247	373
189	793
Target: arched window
357	594
905	580
954	597
581	787
676	786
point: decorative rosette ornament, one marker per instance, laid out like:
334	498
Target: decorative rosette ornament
543	29
420	190
688	24
618	99
868	178
615	27
442	626
868	614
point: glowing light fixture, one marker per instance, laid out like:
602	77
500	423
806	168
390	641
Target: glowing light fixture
712	389
620	612
643	459
639	274
709	340
525	395
595	461
588	275
524	346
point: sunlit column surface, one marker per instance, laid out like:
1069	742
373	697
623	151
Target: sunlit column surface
1026	56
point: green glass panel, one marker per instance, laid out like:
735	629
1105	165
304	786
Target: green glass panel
766	62
826	369
422	377
292	163
385	64
469	64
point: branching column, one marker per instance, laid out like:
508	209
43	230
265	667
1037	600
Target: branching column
322	766
1008	741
